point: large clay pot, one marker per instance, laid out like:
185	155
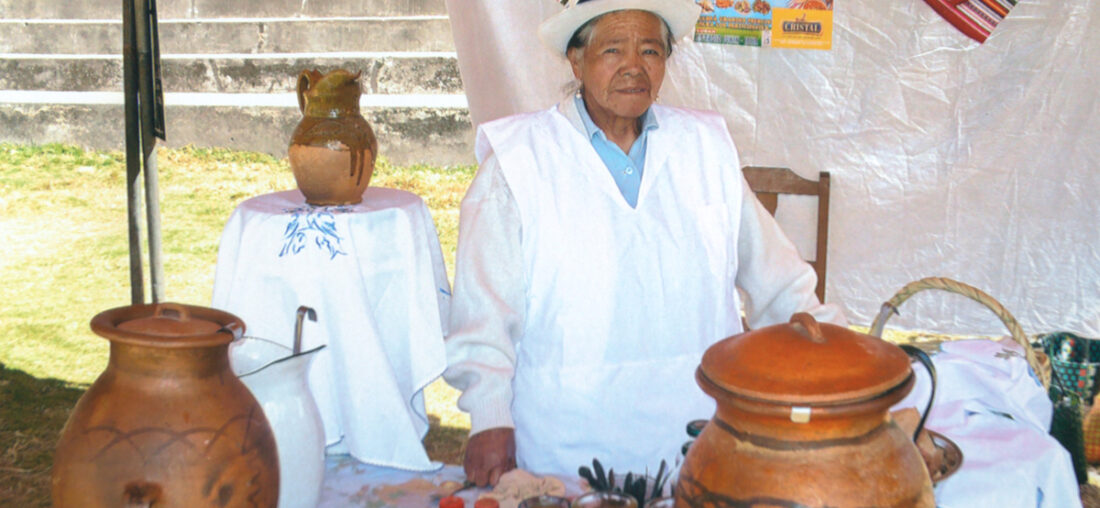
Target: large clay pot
167	424
333	149
803	420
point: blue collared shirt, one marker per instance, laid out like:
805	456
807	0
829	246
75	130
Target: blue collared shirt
626	169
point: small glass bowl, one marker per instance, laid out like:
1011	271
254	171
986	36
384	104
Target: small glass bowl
661	502
544	502
604	500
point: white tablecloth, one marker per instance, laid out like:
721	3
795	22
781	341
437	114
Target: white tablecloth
374	273
987	403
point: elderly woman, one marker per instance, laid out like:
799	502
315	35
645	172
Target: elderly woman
601	248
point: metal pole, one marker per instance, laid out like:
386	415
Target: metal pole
152	220
133	151
150	100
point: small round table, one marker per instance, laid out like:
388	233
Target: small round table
374	273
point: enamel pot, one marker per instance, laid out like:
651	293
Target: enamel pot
803	420
278	378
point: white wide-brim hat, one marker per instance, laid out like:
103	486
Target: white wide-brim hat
555	32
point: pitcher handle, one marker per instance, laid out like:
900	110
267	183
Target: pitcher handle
922	357
303	86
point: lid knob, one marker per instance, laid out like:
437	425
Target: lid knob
808	327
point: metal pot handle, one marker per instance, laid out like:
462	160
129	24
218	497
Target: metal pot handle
922	357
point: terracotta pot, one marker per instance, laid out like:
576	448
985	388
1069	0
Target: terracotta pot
167	424
333	149
803	420
1091	430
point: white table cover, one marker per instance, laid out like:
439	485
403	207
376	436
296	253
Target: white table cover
989	403
374	273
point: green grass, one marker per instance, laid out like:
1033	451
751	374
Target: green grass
63	215
63	220
63	223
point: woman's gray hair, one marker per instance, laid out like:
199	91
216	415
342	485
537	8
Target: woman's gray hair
584	34
587	31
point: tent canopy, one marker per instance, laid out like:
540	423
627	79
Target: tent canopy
949	158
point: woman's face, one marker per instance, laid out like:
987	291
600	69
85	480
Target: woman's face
623	65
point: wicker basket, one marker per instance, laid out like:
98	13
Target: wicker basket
1066	424
1039	363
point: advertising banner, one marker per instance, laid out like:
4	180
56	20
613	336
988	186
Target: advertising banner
797	24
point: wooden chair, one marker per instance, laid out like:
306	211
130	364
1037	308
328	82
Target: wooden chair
769	183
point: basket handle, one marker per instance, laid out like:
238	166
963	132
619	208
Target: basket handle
952	286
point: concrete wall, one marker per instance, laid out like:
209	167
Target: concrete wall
230	71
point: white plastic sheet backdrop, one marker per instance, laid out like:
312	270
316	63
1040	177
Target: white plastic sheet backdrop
980	163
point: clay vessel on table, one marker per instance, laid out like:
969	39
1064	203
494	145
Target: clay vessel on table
803	420
333	149
167	424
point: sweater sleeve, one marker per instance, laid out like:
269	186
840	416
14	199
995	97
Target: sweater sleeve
488	306
775	281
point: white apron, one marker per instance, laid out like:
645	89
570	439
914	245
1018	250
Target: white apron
621	302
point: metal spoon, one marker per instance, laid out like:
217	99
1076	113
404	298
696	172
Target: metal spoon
303	311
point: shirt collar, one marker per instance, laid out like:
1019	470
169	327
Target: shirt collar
649	120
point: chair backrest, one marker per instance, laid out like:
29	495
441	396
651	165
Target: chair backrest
769	183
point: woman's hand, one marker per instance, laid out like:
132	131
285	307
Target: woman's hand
489	454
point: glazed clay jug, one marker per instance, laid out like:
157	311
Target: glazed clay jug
803	420
333	149
167	424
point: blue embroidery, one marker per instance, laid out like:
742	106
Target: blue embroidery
313	223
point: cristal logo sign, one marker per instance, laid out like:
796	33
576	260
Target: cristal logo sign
800	25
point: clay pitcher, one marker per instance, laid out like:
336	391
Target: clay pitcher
803	420
167	424
333	149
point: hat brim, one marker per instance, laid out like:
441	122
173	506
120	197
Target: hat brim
680	15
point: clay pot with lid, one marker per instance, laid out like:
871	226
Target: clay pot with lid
167	424
803	420
333	148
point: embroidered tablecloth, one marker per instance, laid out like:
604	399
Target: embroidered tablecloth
374	273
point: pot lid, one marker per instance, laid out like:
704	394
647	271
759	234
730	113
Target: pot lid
805	362
168	324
